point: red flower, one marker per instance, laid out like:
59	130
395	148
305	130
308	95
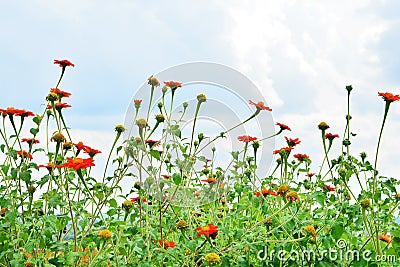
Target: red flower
331	136
10	111
134	199
389	97
91	151
386	238
266	192
283	126
81	146
310	174
59	106
165	176
330	188
172	84
210	180
246	138
77	163
49	166
24	154
60	93
25	113
260	105
63	63
292	142
289	148
301	157
17	112
207	230
166	244
30	140
137	103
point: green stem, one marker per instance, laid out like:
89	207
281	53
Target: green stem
194	125
109	155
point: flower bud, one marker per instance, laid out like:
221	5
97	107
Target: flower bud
323	126
349	88
153	81
119	128
201	98
160	118
58	138
365	203
141	123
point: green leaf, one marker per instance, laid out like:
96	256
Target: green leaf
14	173
155	154
113	203
25	176
5	169
34	131
320	197
176	178
235	155
37	119
337	231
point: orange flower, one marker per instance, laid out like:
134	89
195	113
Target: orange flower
207	230
135	199
91	151
260	105
246	138
80	146
60	93
63	63
301	157
389	97
331	136
59	106
166	244
292	142
210	180
329	187
49	166
266	192
24	154
173	85
386	238
30	140
17	112
283	149
283	126
77	163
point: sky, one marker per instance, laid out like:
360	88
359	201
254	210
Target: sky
300	54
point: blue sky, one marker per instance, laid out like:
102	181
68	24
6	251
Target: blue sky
301	54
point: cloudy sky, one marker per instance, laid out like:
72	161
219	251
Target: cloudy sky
300	54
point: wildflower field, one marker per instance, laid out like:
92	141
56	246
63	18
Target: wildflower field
181	207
